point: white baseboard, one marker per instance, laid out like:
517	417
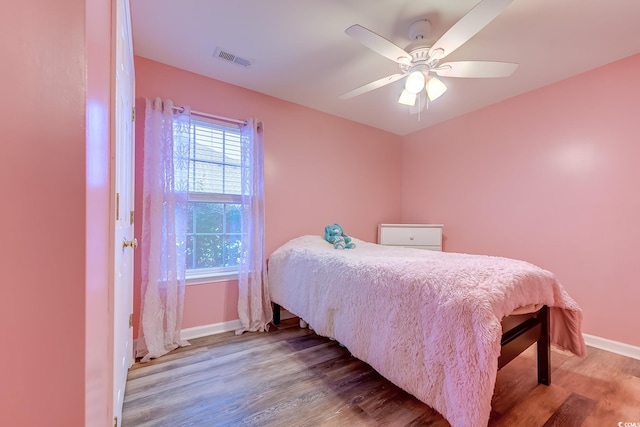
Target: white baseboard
212	329
612	346
218	328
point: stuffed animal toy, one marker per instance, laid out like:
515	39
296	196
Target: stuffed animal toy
334	234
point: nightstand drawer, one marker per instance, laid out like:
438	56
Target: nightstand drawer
427	236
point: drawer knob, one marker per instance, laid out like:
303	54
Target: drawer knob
411	238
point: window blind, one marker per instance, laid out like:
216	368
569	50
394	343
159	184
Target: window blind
215	159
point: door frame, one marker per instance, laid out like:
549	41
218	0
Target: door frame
121	210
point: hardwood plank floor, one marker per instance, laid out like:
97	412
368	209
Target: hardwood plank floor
292	377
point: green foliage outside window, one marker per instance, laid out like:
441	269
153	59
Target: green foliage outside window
213	235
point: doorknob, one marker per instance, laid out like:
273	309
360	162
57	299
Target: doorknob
131	243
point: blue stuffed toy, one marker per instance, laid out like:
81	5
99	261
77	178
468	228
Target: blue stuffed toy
335	234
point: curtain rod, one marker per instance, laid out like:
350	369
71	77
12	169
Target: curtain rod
212	116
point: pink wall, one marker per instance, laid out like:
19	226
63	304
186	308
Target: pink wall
43	215
319	169
549	177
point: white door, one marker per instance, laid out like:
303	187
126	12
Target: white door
123	185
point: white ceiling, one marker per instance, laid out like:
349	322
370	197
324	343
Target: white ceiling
300	52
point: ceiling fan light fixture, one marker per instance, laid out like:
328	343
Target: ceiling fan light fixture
435	88
415	82
407	98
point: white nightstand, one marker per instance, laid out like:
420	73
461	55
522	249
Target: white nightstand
419	236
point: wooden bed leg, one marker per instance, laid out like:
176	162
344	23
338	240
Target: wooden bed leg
544	348
276	314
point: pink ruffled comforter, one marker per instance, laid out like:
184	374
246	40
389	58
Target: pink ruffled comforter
427	321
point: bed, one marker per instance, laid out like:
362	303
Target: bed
439	325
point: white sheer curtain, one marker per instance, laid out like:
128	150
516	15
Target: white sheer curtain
254	305
164	226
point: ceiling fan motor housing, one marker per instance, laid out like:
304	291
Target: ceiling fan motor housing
419	47
419	58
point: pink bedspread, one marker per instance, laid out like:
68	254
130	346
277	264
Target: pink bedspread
427	321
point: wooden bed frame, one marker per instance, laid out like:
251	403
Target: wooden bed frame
519	332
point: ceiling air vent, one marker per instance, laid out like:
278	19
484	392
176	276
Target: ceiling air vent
230	57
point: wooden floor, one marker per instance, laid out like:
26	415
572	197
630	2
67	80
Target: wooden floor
292	377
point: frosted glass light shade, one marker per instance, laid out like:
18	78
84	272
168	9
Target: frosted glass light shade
415	82
435	88
407	98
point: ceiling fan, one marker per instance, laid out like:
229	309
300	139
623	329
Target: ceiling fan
420	63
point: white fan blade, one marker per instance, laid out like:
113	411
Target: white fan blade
468	26
371	86
475	69
378	44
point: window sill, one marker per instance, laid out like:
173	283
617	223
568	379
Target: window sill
200	279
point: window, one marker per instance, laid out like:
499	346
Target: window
215	213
